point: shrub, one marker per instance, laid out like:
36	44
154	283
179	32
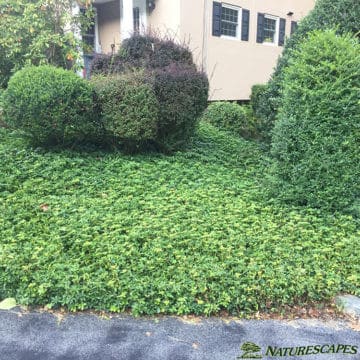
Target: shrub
167	52
182	93
103	64
51	105
138	50
231	117
340	14
257	91
1	99
153	52
2	123
142	51
316	139
6	67
129	108
263	109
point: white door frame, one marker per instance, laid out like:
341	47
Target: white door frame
97	36
141	4
127	17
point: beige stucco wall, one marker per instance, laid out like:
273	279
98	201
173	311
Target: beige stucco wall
108	25
232	65
165	18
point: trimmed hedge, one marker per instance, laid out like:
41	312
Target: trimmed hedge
161	107
103	64
316	139
182	93
325	15
142	51
51	105
232	117
129	108
153	52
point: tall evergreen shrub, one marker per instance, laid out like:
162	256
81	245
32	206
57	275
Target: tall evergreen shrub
316	141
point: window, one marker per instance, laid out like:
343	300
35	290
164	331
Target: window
270	29
230	21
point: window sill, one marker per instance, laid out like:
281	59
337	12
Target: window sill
230	38
269	43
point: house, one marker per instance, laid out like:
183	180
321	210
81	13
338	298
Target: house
236	42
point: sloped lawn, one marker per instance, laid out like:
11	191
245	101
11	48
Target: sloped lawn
188	233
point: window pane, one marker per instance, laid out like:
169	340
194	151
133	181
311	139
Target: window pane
229	15
269	30
228	29
229	22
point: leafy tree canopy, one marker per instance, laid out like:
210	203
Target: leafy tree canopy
40	32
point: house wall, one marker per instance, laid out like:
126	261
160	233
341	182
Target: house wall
165	18
108	25
232	65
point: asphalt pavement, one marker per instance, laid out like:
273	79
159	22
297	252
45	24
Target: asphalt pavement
44	336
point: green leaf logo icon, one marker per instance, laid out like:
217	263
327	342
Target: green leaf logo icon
250	349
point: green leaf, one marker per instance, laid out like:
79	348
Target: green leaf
7	304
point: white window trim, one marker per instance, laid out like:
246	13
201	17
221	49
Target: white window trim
239	10
277	30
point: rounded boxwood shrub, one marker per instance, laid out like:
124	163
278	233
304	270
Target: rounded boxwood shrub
129	108
316	138
182	93
51	105
232	117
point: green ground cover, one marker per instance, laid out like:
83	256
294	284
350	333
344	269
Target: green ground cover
187	233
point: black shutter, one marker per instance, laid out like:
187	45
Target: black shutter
260	28
216	28
293	27
282	32
245	24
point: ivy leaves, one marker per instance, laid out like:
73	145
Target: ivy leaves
187	233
